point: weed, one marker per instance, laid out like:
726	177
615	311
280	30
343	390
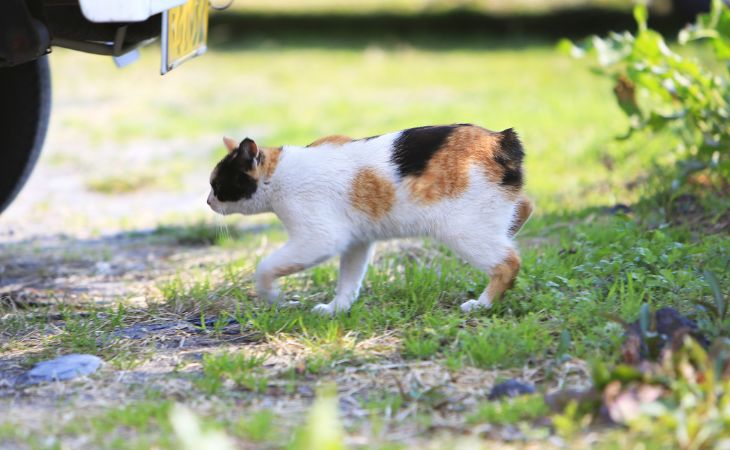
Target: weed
420	346
241	369
258	426
504	343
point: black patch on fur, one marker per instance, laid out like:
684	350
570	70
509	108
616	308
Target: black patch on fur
231	182
416	146
510	156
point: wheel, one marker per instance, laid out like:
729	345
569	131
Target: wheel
25	106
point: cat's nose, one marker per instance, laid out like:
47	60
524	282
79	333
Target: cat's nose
208	201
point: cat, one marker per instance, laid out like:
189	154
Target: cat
459	184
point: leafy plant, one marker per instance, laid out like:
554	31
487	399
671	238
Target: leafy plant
695	411
660	89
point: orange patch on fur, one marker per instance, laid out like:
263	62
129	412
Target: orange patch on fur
372	194
336	139
268	166
502	276
447	173
271	160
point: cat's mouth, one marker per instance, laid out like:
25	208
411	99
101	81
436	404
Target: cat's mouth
216	205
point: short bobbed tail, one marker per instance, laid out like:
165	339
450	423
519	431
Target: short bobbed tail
509	154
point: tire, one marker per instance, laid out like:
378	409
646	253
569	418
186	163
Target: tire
25	106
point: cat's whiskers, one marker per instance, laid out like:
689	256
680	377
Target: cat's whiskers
223	230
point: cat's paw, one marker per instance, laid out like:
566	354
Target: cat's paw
324	309
272	296
473	305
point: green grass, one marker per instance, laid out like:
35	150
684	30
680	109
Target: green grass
607	265
511	411
243	370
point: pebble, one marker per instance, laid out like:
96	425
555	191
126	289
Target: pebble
62	368
510	388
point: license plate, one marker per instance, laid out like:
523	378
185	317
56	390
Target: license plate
184	33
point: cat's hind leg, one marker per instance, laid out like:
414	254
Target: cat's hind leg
501	277
496	256
353	265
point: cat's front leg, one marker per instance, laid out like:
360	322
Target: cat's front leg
294	256
353	265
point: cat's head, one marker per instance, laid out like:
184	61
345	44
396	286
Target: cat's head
234	181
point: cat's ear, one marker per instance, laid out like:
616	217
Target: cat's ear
249	149
231	144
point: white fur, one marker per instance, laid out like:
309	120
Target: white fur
309	191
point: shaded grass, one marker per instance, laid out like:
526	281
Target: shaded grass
220	234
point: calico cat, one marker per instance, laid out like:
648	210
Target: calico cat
459	184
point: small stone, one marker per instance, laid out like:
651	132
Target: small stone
510	388
62	368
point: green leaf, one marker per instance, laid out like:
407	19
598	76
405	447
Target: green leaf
567	47
657	122
641	14
715	13
723	23
722	49
645	319
720	302
650	45
600	374
626	373
565	343
709	307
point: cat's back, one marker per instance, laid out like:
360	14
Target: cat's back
409	169
437	163
336	160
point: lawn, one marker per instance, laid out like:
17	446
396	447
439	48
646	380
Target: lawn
410	370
